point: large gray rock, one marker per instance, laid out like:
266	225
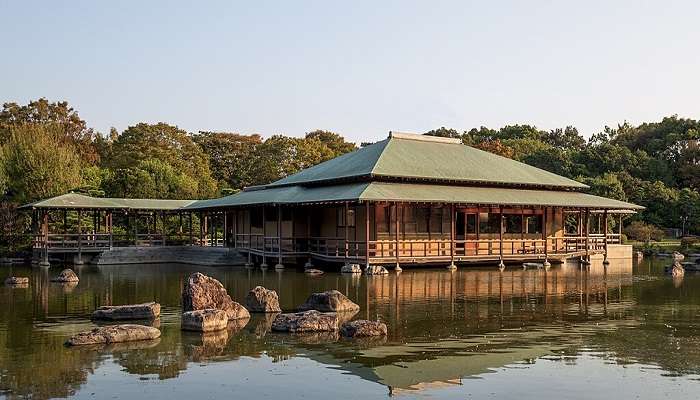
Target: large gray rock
351	269
202	292
307	321
375	270
114	334
329	301
207	320
17	281
129	311
262	300
67	275
363	328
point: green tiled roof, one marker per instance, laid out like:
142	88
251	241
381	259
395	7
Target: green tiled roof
75	201
414	192
427	158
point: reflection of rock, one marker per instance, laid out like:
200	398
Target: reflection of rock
329	301
67	287
313	271
114	334
375	270
17	281
67	275
351	269
317	337
124	346
205	345
307	321
236	325
677	281
262	300
203	292
130	311
676	270
207	320
262	324
363	328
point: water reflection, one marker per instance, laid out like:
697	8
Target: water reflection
443	326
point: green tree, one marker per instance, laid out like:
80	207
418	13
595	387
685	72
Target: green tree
606	185
333	141
36	164
168	144
232	157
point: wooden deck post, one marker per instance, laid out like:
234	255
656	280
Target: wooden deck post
279	264
396	245
452	265
605	237
79	261
264	247
109	229
501	264
235	228
586	218
367	232
347	235
546	263
45	239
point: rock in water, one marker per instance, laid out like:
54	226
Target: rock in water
363	328
329	301
262	300
678	256
114	334
313	271
67	275
375	270
17	280
639	254
130	311
351	269
307	321
207	320
202	292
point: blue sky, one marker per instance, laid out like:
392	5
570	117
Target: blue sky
359	68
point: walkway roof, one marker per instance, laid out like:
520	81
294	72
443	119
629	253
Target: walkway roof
75	201
427	158
413	192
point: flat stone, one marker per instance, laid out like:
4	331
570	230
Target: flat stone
203	292
313	271
351	269
329	301
363	328
207	320
307	321
17	280
262	300
114	334
67	275
376	270
129	311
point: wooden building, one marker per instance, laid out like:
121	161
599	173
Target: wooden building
406	200
415	199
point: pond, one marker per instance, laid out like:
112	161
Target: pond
473	333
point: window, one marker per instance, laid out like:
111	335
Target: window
513	223
489	223
256	217
534	224
471	223
343	219
436	220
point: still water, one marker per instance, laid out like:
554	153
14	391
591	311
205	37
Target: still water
628	332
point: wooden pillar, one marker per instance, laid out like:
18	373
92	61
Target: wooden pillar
279	238
605	237
396	245
452	237
109	228
79	261
235	228
346	251
545	237
45	238
501	264
264	221
586	234
367	232
189	222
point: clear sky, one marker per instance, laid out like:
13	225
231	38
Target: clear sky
360	68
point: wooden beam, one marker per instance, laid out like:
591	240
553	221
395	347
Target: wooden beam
367	232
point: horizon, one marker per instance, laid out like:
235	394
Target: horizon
360	71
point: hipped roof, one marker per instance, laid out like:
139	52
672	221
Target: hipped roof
75	201
413	192
427	158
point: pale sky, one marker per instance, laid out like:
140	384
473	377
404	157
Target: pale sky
360	68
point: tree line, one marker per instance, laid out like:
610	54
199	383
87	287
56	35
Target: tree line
46	149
